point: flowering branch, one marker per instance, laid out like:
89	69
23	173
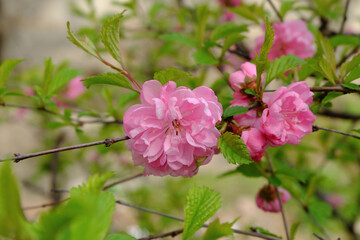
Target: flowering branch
108	142
317	128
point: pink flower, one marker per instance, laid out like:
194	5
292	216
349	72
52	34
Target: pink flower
288	117
267	200
173	130
75	88
291	37
256	143
335	200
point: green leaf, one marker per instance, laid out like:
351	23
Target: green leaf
204	58
326	52
354	74
126	98
293	230
201	204
291	172
180	38
55	125
13	223
245	12
115	79
86	215
326	70
330	96
119	236
356	130
231	40
85	44
61	78
171	74
217	230
320	210
349	66
110	36
226	29
234	149
202	15
262	59
249	170
250	91
281	65
351	86
275	181
266	232
6	68
234	110
344	40
285	7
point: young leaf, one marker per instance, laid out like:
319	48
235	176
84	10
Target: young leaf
351	86
327	58
245	12
281	65
234	149
266	232
110	36
226	29
320	210
61	78
354	74
285	7
6	68
291	173
344	40
349	66
180	38
204	58
201	204
326	70
115	79
234	110
293	230
249	170
202	14
171	74
217	230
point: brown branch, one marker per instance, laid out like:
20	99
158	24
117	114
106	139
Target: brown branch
328	89
332	114
122	181
108	142
344	17
44	205
278	197
275	10
317	128
162	235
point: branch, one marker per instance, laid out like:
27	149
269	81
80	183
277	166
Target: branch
278	197
108	142
45	205
171	234
275	10
344	17
332	114
328	89
122	181
317	128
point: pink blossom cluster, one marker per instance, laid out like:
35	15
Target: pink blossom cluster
173	130
283	117
266	199
290	37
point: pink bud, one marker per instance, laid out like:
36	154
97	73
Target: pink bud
266	198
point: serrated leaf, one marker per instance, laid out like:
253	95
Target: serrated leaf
180	38
115	79
119	236
201	204
204	58
293	230
354	74
285	7
262	59
171	74
85	44
61	78
281	65
291	173
249	170
234	149
330	96
266	232
6	67
250	91
245	12
320	210
110	36
344	40
350	86
349	66
13	223
217	230
326	70
234	110
226	29
326	51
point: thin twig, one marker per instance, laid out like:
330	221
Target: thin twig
320	238
341	115
344	17
44	205
275	10
162	235
108	142
259	235
317	128
278	197
122	181
328	89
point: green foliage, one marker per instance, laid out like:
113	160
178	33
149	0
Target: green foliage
6	68
326	64
344	40
171	74
201	204
13	223
226	29
281	65
286	6
115	79
353	75
251	12
351	86
293	230
202	15
291	172
180	38
262	59
204	58
266	232
234	149
110	36
321	211
349	66
234	110
86	215
60	79
119	237
217	230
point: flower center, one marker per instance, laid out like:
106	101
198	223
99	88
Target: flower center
176	125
